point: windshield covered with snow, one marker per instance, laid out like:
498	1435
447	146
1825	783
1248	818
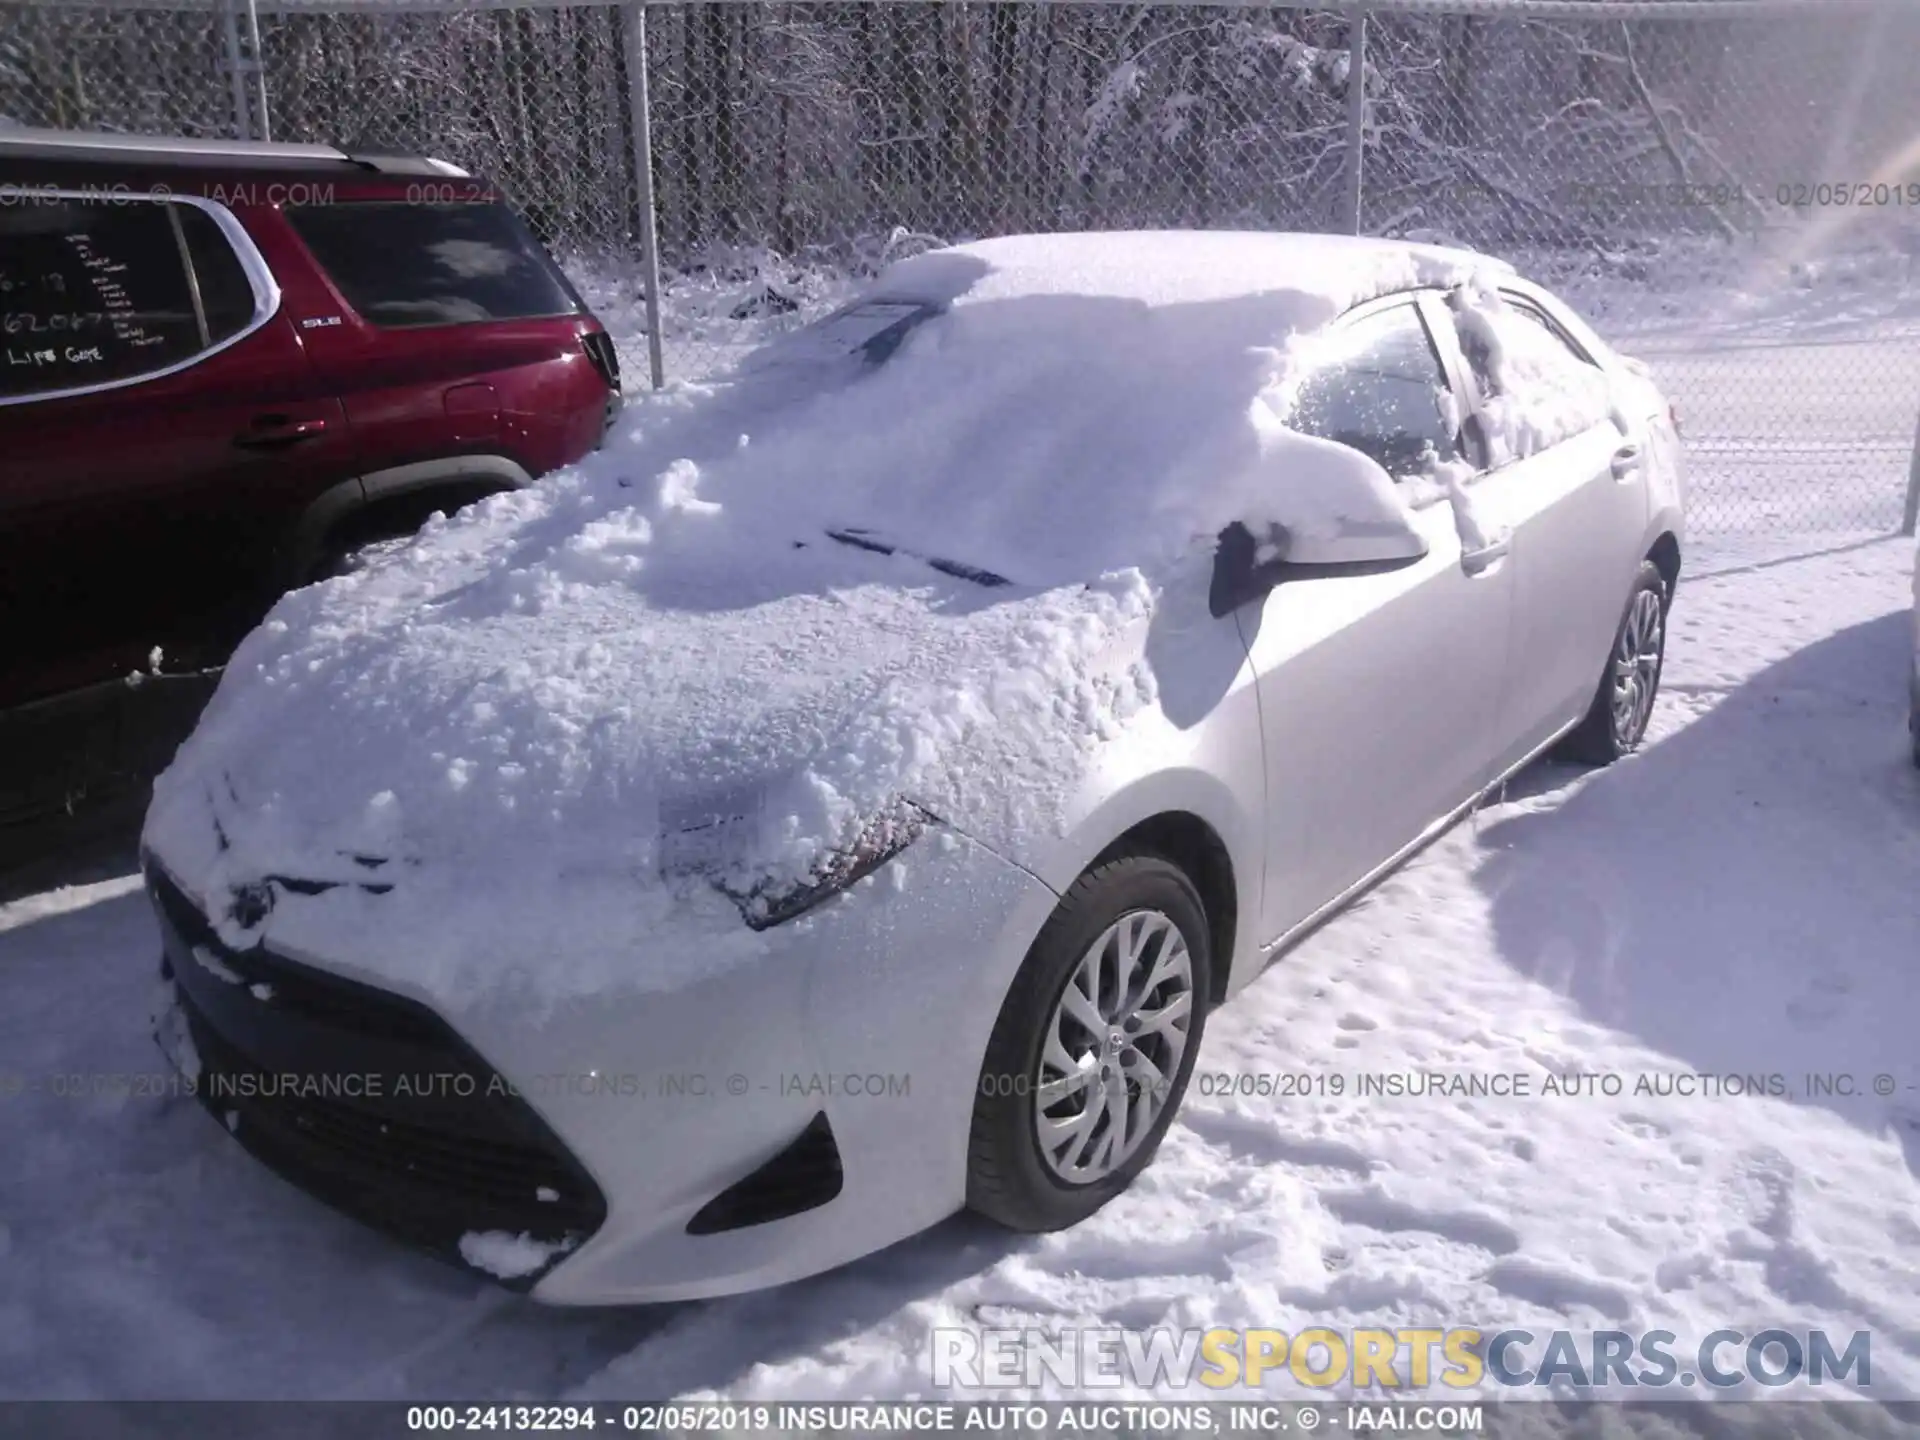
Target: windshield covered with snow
867	332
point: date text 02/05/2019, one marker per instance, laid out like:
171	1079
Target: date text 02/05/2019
1788	195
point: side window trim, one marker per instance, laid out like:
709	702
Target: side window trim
193	278
1467	399
266	294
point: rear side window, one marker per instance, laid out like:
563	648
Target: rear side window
1378	387
408	265
90	292
1536	388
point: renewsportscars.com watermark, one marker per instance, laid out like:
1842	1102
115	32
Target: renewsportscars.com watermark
1609	1361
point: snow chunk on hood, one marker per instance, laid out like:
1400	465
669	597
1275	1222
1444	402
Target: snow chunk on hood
493	746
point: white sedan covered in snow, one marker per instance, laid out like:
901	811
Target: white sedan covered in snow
840	800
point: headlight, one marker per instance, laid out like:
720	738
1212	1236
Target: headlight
774	902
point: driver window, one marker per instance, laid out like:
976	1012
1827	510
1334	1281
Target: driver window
1379	388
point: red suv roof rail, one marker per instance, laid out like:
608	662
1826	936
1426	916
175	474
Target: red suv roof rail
22	141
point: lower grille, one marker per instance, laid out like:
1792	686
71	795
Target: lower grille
370	1102
426	1188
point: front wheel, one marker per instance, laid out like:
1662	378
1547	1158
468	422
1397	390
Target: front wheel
1616	723
1093	1047
1913	710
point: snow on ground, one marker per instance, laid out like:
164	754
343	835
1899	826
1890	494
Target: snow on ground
1737	899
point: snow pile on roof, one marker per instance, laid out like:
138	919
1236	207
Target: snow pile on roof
481	741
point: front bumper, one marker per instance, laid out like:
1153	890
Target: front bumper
789	1114
365	1099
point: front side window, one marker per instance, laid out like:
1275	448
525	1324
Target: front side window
404	265
1378	387
91	292
1536	389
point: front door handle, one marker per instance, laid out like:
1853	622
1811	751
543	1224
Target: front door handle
1626	460
1480	561
273	432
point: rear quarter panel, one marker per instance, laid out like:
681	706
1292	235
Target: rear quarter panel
393	381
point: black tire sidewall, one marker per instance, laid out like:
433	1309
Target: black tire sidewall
1008	1179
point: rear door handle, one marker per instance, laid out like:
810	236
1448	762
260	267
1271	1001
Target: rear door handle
1626	460
272	432
1478	562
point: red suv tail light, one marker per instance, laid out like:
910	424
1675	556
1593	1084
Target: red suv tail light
599	347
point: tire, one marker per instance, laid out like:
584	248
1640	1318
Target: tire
1913	710
1012	1177
1616	722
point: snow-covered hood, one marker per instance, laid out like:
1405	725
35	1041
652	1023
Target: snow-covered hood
441	766
371	718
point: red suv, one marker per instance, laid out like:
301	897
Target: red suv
226	366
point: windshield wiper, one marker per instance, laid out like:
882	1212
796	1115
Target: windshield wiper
865	540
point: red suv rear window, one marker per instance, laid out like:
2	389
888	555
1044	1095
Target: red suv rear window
410	264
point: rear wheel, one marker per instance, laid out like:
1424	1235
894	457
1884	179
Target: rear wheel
390	524
348	558
1093	1048
1616	722
1913	709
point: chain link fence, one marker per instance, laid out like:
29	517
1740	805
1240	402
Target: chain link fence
1731	188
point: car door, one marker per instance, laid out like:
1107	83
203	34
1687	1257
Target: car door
1378	692
156	414
1563	481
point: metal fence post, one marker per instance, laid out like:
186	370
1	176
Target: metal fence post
236	71
1912	512
636	28
259	68
1356	116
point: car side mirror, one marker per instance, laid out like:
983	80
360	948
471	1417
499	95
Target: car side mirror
1315	507
1245	568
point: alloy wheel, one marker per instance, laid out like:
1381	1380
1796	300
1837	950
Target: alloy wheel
1112	1047
1636	668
